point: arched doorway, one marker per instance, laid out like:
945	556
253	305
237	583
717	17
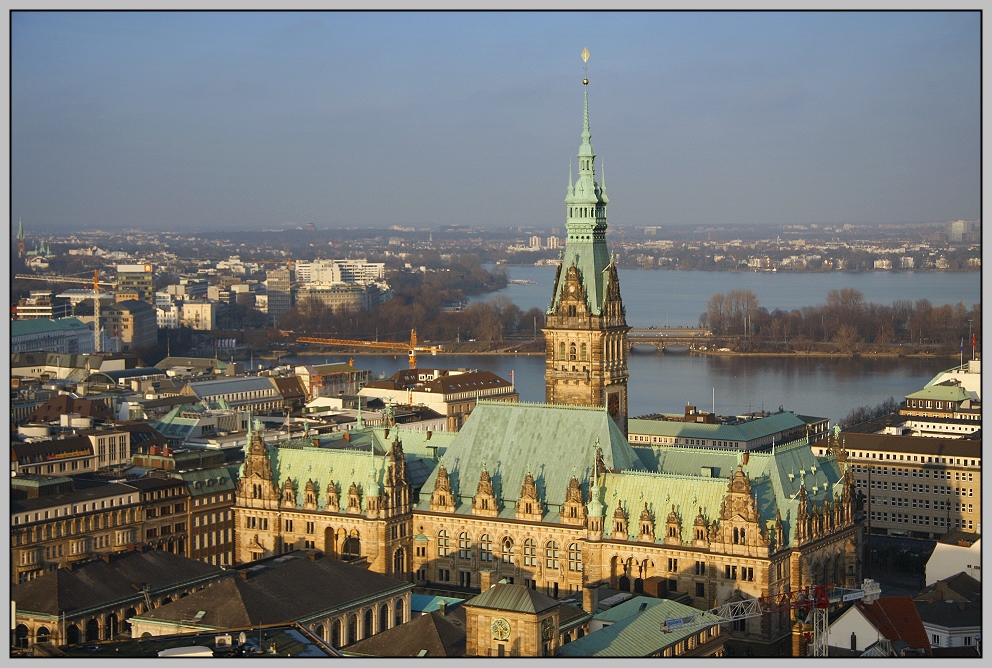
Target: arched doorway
623	584
398	619
319	631
42	634
21	636
128	614
72	635
330	549
113	626
92	630
638	586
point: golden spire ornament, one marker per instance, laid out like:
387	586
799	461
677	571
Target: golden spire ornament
585	60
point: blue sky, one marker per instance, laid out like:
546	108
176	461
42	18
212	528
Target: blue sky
242	120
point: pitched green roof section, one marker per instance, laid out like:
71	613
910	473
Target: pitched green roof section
513	598
637	635
512	439
954	393
661	491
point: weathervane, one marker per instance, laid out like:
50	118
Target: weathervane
585	67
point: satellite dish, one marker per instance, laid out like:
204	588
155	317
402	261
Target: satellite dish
242	638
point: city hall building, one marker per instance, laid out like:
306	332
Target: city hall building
552	496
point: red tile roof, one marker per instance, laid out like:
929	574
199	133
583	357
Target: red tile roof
897	618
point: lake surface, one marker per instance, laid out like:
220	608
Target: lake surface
823	387
677	298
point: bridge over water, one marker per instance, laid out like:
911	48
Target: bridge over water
659	337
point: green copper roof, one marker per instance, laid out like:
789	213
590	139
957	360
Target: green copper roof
953	393
513	598
547	441
637	635
585	209
742	432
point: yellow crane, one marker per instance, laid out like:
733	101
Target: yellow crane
413	348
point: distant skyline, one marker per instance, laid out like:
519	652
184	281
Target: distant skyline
183	121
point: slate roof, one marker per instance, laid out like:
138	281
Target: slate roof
286	589
914	445
965	586
514	438
440	635
950	615
211	388
40	451
85	492
96	583
513	598
897	618
636	635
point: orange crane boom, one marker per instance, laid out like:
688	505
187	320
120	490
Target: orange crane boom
413	348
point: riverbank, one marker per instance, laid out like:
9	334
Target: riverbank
713	353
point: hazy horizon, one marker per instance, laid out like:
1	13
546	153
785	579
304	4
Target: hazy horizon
217	121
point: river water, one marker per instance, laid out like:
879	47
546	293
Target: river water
818	386
677	298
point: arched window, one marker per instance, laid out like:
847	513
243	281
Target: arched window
399	561
367	630
551	555
352	546
464	546
335	639
575	557
571	352
530	552
485	547
585	355
507	550
383	617
352	628
561	350
398	610
443	543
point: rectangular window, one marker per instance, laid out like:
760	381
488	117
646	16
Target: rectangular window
310	527
700	590
673	565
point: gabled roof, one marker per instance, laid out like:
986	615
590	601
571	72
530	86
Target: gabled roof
41	451
210	388
950	615
897	618
941	392
285	589
959	586
96	583
436	634
513	598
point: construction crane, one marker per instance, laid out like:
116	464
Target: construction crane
413	348
814	600
53	278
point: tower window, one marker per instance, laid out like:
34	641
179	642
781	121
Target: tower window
571	346
584	353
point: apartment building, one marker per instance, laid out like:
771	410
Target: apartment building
915	487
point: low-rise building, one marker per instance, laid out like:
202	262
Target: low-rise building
65	335
450	392
91	600
340	603
956	552
951	610
741	433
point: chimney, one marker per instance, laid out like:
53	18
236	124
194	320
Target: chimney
105	557
314	556
243	573
442	607
590	598
485	580
347	437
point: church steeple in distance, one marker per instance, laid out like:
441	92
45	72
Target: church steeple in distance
586	332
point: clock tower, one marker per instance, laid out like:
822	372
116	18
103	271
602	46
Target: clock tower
586	332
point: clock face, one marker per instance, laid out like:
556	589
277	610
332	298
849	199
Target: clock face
571	289
613	405
548	629
500	629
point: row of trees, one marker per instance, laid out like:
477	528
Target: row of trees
845	320
427	302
